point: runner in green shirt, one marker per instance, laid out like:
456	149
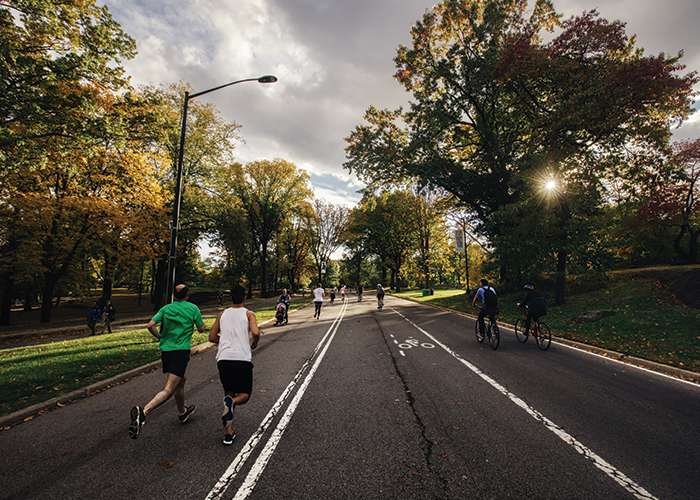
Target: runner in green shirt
177	327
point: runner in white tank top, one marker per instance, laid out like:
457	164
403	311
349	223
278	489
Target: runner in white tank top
234	341
232	330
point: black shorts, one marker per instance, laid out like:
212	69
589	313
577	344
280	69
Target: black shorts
236	376
175	362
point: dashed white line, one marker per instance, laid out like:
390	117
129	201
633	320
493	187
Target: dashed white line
620	478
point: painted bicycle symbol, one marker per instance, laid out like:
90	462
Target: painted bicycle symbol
411	342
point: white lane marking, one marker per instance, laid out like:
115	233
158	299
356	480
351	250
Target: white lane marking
266	453
219	489
620	478
402	354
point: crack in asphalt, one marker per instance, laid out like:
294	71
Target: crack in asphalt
428	445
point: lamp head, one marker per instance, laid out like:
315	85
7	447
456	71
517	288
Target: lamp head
267	79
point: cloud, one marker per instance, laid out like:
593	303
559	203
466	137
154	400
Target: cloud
333	58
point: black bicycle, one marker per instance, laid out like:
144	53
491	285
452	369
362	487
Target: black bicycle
538	329
491	331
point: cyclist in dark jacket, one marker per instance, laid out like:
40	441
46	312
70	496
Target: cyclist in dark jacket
537	305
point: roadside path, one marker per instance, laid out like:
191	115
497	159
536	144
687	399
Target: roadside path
24	335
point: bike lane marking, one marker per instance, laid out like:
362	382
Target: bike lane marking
619	477
254	474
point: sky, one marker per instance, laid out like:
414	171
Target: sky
333	59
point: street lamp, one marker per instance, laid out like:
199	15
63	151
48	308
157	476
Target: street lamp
178	186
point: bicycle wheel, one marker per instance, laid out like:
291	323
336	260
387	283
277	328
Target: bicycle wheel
544	336
494	335
479	335
520	332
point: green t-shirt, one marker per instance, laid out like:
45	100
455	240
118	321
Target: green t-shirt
178	321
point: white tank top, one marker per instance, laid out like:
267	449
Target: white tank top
234	336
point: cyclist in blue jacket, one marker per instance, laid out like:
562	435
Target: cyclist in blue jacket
489	301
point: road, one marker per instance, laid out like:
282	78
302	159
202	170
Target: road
399	403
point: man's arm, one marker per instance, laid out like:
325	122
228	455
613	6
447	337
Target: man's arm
214	332
253	324
152	328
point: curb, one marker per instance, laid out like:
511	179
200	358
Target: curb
645	364
30	412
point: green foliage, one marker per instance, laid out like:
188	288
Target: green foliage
498	112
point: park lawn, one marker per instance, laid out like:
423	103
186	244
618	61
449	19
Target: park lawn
32	374
648	323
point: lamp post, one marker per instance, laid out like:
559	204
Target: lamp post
178	185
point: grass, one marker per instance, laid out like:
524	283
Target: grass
30	375
648	323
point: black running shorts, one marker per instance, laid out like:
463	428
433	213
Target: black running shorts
236	376
175	362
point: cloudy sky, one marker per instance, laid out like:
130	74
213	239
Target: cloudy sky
333	58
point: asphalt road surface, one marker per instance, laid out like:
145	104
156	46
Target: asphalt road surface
399	403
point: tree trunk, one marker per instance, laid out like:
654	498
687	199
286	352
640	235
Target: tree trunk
560	287
47	297
263	271
110	266
7	298
8	284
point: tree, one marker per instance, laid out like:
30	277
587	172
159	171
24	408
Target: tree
328	231
68	118
495	107
270	191
587	94
55	54
296	240
387	225
674	201
429	210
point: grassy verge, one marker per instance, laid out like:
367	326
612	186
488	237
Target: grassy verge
648	323
30	375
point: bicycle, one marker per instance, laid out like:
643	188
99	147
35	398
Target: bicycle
538	329
491	329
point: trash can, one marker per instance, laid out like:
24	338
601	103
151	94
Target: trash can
424	292
431	292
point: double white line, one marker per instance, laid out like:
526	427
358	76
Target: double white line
266	453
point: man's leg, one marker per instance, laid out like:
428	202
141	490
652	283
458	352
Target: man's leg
174	385
138	414
480	319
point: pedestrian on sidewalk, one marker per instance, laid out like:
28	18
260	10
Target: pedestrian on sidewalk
177	322
93	315
111	314
232	330
319	293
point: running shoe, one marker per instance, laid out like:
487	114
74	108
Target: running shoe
227	417
228	438
138	418
189	410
